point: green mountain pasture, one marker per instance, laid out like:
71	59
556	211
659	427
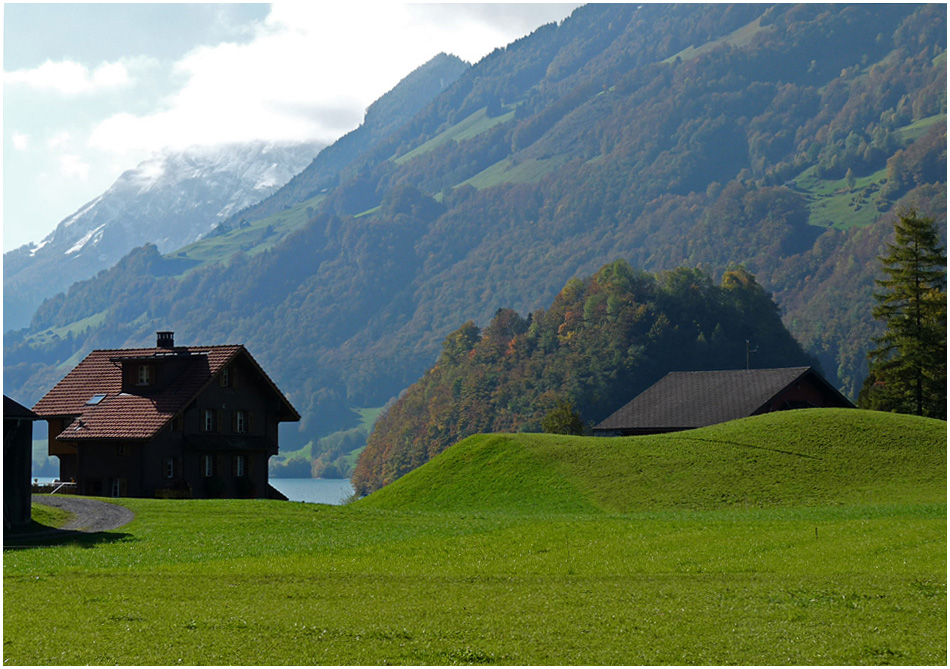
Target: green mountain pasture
807	457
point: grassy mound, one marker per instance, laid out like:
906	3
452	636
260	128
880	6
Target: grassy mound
792	458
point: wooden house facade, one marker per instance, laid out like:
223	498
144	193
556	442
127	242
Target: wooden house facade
169	421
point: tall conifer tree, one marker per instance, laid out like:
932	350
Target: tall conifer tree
908	369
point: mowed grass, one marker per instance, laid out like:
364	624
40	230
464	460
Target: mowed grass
47	517
855	579
791	458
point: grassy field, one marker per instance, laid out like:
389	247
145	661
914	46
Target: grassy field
789	458
252	238
48	517
786	571
737	38
472	126
832	203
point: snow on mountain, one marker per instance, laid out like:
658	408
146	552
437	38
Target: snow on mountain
170	200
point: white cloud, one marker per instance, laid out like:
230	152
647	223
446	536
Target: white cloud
306	72
73	166
70	78
58	140
310	72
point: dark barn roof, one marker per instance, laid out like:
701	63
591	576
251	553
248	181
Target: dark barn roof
687	400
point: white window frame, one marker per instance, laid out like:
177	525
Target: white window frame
240	465
145	375
240	421
208	420
208	466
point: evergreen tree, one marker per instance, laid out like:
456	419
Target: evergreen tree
908	369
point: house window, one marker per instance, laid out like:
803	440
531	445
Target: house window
145	375
209	422
226	377
209	466
240	465
240	421
95	399
169	468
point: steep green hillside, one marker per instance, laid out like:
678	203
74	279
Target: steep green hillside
807	457
382	117
247	236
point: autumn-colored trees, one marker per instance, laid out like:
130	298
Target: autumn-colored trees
604	339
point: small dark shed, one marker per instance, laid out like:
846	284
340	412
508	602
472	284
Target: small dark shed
17	463
687	400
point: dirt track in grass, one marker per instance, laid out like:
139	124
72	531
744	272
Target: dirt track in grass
90	515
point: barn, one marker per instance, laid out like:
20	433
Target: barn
688	400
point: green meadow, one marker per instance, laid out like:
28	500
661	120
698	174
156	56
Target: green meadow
808	537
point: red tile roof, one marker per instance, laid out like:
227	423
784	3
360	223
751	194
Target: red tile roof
121	415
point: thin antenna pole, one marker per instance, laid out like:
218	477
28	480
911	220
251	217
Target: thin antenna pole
748	353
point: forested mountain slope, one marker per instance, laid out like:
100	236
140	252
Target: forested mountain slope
777	137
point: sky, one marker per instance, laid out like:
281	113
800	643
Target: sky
91	90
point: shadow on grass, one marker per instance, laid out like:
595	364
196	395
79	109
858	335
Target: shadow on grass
760	448
37	535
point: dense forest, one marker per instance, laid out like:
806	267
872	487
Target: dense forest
781	138
605	339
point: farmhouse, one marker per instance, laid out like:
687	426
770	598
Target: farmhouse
687	400
17	461
169	421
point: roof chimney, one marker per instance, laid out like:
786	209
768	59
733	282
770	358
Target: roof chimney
166	339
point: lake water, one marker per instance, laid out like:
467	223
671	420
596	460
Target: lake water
315	491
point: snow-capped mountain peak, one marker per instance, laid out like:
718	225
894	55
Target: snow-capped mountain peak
171	199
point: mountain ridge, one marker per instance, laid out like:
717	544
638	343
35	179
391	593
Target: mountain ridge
405	99
170	199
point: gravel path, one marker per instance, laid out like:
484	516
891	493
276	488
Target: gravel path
91	515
